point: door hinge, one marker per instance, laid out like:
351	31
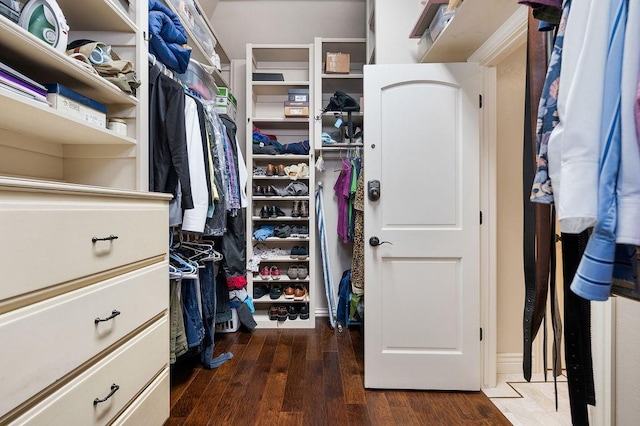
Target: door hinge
480	217
480	100
481	334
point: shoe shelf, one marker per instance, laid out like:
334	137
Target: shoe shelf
278	177
262	318
281	157
283	278
276	239
280	300
280	218
287	259
281	197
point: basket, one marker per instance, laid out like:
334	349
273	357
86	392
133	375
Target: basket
230	326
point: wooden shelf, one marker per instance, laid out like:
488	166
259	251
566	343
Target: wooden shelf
33	57
473	23
428	12
28	117
97	15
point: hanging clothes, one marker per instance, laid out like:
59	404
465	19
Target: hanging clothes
342	188
194	219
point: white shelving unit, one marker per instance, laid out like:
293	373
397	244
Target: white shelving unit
81	221
265	111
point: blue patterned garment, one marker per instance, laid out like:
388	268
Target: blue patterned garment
548	116
593	278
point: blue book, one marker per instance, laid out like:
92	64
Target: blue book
75	96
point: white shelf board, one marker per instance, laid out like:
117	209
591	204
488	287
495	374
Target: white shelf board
276	239
286	53
280	198
36	59
277	177
97	15
342	76
283	279
274	88
28	117
264	322
280	157
472	24
280	219
279	259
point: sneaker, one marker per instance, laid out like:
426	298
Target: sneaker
265	274
303	253
277	211
258	292
295	252
292	272
289	292
302	272
293	312
304	312
274	272
273	313
300	293
275	292
282	313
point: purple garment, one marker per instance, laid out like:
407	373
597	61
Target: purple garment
342	189
537	3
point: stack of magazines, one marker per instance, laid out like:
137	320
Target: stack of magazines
16	82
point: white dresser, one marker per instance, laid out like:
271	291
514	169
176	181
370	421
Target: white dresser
83	305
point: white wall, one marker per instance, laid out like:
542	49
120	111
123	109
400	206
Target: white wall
240	22
394	20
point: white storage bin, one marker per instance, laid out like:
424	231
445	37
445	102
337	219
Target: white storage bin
230	326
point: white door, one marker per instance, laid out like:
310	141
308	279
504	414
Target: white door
422	305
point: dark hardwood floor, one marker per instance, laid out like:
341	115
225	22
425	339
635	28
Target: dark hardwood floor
308	377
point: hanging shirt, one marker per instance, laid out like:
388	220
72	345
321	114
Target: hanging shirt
194	219
342	188
574	144
592	280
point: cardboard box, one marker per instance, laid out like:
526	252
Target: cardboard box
225	105
76	106
299	95
337	63
296	109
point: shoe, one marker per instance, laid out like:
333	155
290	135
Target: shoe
270	191
275	292
277	211
258	292
302	272
293	312
273	313
282	313
281	170
295	252
303	253
265	273
258	190
295	210
304	312
299	293
289	292
275	273
304	209
266	212
292	272
271	170
299	231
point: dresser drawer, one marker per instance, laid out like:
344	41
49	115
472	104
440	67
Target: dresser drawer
151	407
130	368
52	236
43	342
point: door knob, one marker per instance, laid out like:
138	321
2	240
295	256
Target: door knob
375	242
374	190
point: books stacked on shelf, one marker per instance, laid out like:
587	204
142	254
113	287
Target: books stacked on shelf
16	82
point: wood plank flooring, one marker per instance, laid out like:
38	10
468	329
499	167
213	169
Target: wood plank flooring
308	377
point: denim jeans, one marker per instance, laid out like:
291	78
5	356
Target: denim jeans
208	295
193	325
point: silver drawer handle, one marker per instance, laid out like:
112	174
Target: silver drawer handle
109	238
114	314
114	389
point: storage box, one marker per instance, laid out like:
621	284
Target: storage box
268	76
199	80
227	105
296	109
299	95
337	63
76	106
439	22
230	326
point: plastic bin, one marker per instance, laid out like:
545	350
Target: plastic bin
196	78
230	326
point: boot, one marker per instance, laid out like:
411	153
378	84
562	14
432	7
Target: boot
277	211
295	211
304	208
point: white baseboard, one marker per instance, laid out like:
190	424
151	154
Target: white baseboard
509	363
322	312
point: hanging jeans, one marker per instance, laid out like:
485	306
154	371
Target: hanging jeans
208	295
194	328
